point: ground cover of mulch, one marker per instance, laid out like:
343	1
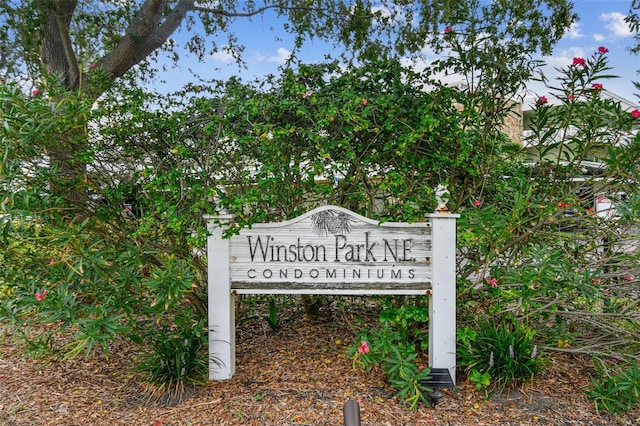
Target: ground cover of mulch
300	375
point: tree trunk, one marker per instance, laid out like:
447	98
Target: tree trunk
57	50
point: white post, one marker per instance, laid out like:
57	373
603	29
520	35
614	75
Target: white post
222	338
442	303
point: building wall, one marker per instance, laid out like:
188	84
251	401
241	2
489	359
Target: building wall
513	124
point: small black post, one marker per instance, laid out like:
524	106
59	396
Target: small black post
351	412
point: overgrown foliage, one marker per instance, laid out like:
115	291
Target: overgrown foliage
397	347
545	253
103	201
616	392
499	355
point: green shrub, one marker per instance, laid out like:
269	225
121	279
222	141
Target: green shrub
177	358
395	348
618	393
499	355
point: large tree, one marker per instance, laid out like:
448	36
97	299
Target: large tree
85	46
65	36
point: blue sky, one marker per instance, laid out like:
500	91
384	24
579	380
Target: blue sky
601	24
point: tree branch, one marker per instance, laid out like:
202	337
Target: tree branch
150	30
126	54
222	12
248	14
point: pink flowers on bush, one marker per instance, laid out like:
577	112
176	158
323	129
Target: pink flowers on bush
364	347
542	100
596	86
41	296
635	113
493	283
603	50
580	61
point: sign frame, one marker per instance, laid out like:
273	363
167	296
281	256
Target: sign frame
332	250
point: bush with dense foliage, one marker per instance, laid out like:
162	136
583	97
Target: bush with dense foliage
127	260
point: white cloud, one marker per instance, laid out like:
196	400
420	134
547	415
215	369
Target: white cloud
281	57
223	55
614	22
396	12
598	37
565	57
384	11
560	60
574	31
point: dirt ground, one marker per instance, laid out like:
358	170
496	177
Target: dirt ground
299	376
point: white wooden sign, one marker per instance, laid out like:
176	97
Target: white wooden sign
331	250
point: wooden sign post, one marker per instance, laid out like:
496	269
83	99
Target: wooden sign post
332	250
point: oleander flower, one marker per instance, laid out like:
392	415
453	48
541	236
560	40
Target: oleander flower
41	296
580	61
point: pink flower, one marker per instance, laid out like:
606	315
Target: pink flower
41	296
35	92
364	347
477	203
94	66
447	30
580	61
428	419
307	94
364	101
629	277
542	100
597	86
603	50
635	113
570	97
493	282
